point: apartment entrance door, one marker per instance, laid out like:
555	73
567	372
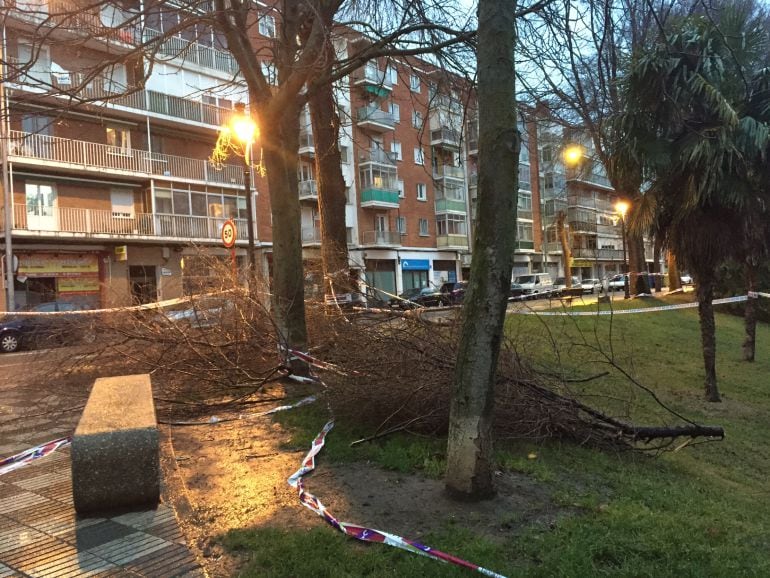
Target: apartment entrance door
41	207
144	283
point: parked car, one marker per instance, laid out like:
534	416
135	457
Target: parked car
517	292
453	293
43	330
535	285
560	283
686	279
199	313
617	283
591	286
412	298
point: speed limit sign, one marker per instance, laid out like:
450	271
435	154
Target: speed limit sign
229	234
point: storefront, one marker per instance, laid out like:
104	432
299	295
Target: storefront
414	273
71	277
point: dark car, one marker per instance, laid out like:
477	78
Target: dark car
411	298
453	293
42	330
517	292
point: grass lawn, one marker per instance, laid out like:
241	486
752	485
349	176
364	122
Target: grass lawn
700	511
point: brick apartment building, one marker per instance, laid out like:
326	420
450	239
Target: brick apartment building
113	197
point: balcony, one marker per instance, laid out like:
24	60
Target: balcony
61	222
306	143
449	172
372	80
582	227
375	119
200	54
473	185
89	157
68	18
472	136
382	238
524	246
452	241
311	235
450	205
601	254
445	138
379	198
308	190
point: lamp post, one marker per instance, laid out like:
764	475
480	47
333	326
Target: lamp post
622	208
245	131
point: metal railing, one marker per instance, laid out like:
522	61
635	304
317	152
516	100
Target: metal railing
452	241
311	234
105	222
387	238
370	74
377	115
445	135
377	156
445	171
89	155
602	254
308	190
200	54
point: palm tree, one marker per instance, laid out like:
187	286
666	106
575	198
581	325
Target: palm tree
696	110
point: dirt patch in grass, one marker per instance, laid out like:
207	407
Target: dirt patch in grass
233	476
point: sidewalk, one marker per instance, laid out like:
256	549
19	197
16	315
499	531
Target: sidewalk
40	534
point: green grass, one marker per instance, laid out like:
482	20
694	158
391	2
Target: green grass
701	511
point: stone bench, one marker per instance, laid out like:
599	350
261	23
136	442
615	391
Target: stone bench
115	449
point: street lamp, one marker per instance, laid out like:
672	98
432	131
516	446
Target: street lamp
622	208
246	131
573	155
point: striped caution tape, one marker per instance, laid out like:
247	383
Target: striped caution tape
22	459
360	532
315	362
241	416
723	301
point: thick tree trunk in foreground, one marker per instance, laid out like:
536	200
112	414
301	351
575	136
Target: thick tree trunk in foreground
657	250
705	293
674	282
561	229
331	190
750	315
636	263
469	453
281	138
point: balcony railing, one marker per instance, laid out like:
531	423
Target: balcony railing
445	137
380	197
452	241
601	254
194	52
449	205
448	171
306	143
382	238
311	235
525	245
308	190
100	157
370	75
88	222
373	117
377	156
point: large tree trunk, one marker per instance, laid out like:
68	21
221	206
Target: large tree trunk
281	142
704	288
331	191
566	252
469	453
636	263
656	252
674	282
750	315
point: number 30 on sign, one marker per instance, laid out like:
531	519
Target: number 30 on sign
229	234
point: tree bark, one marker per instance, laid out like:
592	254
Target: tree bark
705	291
566	252
637	263
281	142
469	452
674	282
750	315
657	250
331	190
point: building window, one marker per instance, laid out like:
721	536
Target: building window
524	232
395	112
424	228
422	192
417	119
344	154
414	83
392	75
401	225
120	139
268	71
395	148
546	154
122	203
400	184
451	225
267	26
419	156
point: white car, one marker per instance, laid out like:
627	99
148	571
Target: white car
617	283
200	313
591	286
686	279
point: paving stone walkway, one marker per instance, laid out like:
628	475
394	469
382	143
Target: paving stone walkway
40	533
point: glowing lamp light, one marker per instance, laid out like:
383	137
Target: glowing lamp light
244	128
573	155
622	208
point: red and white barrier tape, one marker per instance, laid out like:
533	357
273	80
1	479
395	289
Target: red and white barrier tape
737	299
22	459
360	532
214	419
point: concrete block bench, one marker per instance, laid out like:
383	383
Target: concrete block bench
115	449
